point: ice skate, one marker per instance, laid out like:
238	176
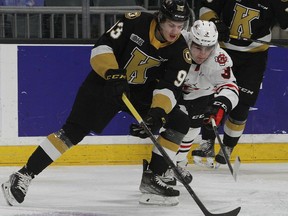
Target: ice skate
220	156
170	178
181	166
155	191
16	187
204	154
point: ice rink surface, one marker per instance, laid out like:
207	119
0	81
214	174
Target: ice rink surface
261	190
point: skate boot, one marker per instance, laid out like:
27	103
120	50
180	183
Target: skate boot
16	187
155	191
220	156
170	178
181	166
204	154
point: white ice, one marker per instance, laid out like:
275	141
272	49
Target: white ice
260	190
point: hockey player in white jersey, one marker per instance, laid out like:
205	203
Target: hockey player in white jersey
209	91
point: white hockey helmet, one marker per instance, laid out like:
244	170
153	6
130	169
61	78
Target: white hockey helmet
204	33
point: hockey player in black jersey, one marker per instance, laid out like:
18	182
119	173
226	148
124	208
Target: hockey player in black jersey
143	55
242	19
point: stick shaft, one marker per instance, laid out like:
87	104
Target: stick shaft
259	41
215	129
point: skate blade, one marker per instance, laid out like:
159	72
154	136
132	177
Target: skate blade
205	162
8	195
236	167
217	165
153	199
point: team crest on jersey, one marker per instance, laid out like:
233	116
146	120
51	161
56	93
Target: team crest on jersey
187	56
132	15
221	59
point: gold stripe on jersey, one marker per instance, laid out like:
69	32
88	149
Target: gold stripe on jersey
153	40
261	48
208	15
253	47
164	99
102	59
168	144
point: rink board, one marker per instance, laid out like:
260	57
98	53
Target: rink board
38	85
49	77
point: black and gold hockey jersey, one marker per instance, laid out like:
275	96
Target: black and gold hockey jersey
149	63
248	19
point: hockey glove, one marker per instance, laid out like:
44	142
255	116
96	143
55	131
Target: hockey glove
116	85
155	119
216	111
223	30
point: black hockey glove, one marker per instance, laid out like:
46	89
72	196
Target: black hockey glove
216	111
116	85
155	119
223	30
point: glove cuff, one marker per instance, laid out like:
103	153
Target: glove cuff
222	102
159	115
115	74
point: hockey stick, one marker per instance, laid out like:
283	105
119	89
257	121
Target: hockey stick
171	164
234	171
259	41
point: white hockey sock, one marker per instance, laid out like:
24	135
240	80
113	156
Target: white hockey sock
183	151
186	144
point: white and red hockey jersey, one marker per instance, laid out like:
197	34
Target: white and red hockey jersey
214	76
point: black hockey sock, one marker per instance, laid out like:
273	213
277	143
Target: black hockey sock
207	134
158	164
230	141
38	161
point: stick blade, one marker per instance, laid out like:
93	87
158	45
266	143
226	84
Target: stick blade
234	212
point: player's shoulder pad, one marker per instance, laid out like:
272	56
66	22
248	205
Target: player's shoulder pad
132	15
219	59
137	18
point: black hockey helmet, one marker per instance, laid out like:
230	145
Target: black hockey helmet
176	10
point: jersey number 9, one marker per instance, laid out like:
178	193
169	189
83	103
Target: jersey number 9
180	78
